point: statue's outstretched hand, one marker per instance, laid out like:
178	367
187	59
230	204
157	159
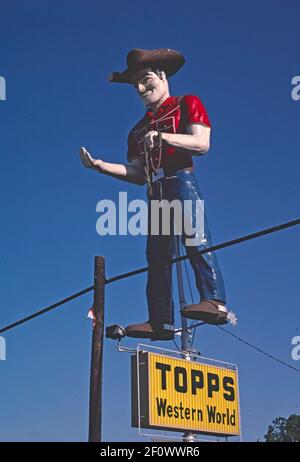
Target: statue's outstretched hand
89	162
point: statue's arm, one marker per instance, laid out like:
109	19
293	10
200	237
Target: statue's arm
197	140
197	136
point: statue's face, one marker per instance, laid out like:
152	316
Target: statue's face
150	88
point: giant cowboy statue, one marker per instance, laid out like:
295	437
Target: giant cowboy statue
160	153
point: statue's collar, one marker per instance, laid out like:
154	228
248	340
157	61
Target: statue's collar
170	101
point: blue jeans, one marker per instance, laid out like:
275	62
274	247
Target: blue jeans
182	185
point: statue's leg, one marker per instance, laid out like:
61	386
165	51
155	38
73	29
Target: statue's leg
208	276
159	283
160	250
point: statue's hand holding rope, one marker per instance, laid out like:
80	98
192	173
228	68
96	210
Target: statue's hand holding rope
151	139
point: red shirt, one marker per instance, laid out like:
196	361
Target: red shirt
173	116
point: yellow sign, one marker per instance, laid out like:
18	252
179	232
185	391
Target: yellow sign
177	394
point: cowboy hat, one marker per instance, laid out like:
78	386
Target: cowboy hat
164	59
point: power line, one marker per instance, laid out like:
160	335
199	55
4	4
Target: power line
142	270
133	273
213	248
45	310
259	349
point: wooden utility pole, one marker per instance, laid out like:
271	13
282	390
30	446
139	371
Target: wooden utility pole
95	416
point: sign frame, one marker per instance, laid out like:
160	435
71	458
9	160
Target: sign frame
141	385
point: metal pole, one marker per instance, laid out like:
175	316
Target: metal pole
186	336
95	415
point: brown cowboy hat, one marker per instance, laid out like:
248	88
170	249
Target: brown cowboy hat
164	59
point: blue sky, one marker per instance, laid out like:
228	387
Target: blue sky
55	57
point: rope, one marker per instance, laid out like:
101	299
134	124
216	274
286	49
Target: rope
148	156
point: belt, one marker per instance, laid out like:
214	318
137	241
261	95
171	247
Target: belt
161	173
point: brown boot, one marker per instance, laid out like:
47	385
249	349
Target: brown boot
209	311
145	330
163	334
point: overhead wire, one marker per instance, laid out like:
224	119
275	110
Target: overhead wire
182	258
